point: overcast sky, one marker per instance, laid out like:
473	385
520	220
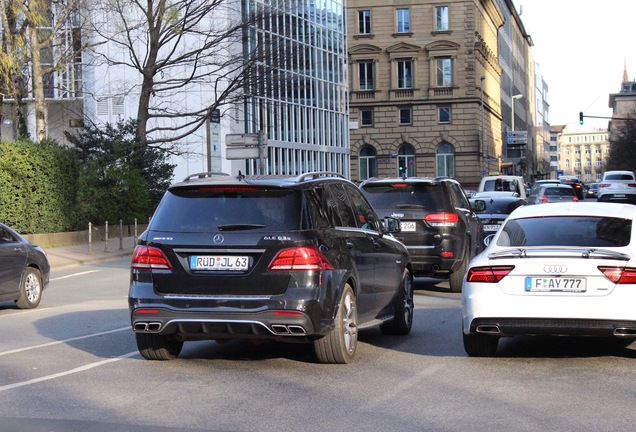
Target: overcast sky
581	47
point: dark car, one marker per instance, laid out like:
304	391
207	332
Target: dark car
24	269
292	259
493	210
576	184
437	225
551	193
592	191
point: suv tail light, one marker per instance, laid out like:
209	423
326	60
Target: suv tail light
488	274
619	275
300	258
442	219
148	257
631	185
544	198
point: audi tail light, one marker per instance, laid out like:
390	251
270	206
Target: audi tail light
442	219
148	257
488	274
619	275
299	258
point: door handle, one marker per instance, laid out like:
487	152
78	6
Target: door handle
349	244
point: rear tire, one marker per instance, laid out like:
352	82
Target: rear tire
30	289
154	346
480	345
339	345
403	321
456	278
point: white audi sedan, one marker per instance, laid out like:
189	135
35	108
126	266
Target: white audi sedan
565	269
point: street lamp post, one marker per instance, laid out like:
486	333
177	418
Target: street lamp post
483	132
512	104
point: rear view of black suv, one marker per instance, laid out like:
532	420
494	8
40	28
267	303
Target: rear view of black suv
437	224
294	259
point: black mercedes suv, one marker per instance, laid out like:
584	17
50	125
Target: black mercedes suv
438	227
294	259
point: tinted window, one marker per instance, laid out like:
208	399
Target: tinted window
210	209
567	231
425	196
619	177
341	208
551	191
365	215
6	236
500	206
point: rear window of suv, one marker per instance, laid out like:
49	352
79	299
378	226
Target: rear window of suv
228	208
582	231
420	196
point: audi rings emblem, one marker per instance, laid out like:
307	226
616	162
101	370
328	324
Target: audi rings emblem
555	269
218	239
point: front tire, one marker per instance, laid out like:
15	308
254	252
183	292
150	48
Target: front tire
154	346
339	345
403	321
30	289
480	345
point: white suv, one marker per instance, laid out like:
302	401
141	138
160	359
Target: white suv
617	186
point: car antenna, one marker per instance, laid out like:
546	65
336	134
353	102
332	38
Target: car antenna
240	176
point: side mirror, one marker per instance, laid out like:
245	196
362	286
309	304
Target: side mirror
478	205
391	225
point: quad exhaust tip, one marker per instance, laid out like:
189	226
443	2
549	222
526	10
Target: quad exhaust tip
488	329
147	327
625	332
283	329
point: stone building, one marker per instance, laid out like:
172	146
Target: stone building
583	153
424	89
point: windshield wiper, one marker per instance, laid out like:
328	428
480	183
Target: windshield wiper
239	227
560	251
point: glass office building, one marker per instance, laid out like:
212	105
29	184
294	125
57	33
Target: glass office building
297	94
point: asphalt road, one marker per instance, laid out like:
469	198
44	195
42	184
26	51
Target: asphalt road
72	365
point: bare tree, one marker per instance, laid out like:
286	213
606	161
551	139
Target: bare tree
177	48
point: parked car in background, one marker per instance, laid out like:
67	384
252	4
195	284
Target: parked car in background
24	269
592	191
576	184
493	210
437	225
552	271
551	193
617	186
293	259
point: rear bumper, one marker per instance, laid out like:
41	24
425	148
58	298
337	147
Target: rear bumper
616	197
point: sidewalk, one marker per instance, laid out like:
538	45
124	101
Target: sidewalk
67	256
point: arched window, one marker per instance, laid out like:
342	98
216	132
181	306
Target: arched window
368	163
445	157
406	161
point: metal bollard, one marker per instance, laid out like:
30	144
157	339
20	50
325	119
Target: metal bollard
106	237
90	237
121	233
135	230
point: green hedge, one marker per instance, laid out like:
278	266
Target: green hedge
38	187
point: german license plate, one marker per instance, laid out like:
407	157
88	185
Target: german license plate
620	195
556	284
407	226
219	262
491	227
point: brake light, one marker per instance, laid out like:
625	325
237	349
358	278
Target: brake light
488	274
602	185
148	257
147	311
631	185
575	199
300	258
544	198
400	185
441	219
227	188
619	275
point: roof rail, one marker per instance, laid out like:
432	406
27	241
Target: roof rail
203	175
317	174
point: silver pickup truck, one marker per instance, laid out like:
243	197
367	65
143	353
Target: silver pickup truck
617	186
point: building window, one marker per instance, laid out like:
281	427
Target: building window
406	161
365	70
405	74
577	151
364	22
567	163
597	150
406	116
403	21
588	164
368	163
577	164
598	163
366	117
443	72
445	157
444	114
587	151
441	18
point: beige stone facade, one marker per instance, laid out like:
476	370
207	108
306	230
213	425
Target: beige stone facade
417	97
583	153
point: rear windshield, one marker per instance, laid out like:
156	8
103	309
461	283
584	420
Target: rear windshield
552	191
424	196
501	185
567	231
212	209
619	177
499	206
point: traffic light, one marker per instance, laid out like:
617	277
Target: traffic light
581	117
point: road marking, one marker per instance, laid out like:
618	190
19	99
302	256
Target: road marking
69	372
74	274
48	344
